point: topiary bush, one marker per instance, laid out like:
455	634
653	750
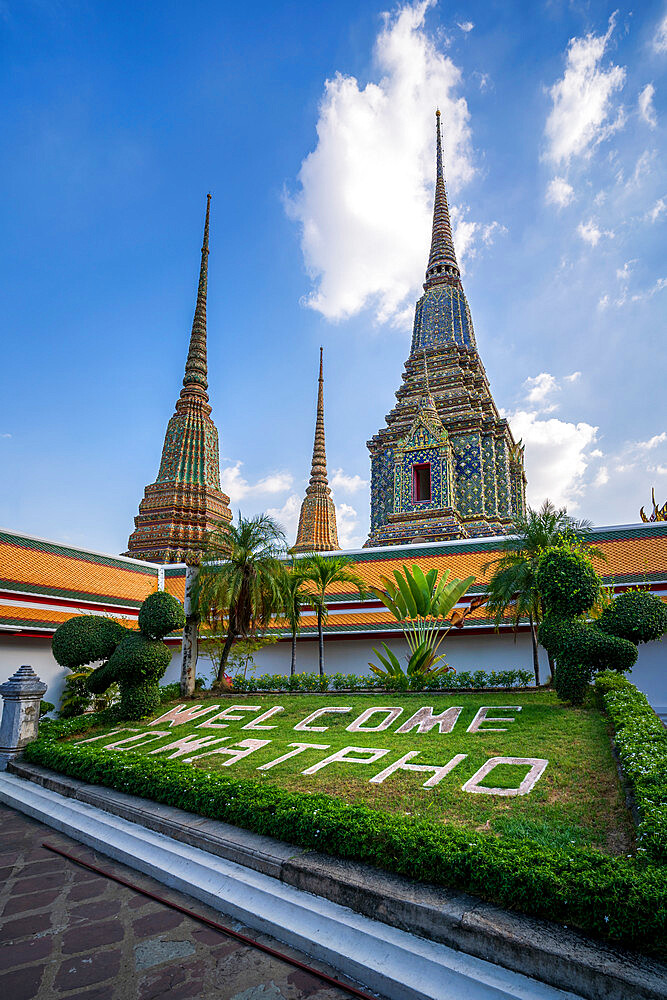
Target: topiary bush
636	615
134	660
569	587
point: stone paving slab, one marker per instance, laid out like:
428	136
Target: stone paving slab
70	934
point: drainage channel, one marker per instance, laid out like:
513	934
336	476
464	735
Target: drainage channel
221	928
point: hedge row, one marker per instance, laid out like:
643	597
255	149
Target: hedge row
352	682
641	743
621	899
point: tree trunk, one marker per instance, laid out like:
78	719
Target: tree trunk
292	668
321	638
190	642
536	658
226	649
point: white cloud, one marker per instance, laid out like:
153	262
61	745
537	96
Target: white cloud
660	37
591	233
238	488
288	516
574	377
596	453
539	387
653	442
470	236
658	209
365	197
556	458
559	192
466	26
5	435
347	522
583	112
348	484
646	109
602	475
624	273
644	295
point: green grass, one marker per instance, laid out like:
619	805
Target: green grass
577	801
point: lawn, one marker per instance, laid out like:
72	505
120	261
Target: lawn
576	800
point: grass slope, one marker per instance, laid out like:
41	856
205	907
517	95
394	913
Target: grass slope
577	801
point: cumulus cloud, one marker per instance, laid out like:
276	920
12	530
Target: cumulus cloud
465	26
583	111
347	484
559	192
365	198
591	233
646	109
653	442
237	487
288	516
539	388
347	522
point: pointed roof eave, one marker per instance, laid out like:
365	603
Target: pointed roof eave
195	381
442	264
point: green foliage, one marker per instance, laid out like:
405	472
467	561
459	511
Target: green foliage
422	665
567	581
621	899
641	743
354	682
45	707
133	660
86	639
636	615
320	572
241	657
77	697
160	614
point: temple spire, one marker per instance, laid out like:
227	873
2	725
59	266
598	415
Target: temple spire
317	523
195	381
442	265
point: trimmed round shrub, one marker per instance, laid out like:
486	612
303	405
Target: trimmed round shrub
580	650
160	614
636	615
567	582
85	639
138	659
135	702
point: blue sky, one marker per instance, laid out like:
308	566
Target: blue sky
312	125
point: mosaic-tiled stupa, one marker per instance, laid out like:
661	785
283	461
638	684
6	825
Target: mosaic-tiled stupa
186	500
446	464
317	522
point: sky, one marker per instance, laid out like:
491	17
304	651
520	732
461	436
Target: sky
312	124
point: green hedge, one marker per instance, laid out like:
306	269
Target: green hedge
465	680
621	899
641	743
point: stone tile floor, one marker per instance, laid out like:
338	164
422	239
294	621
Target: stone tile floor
70	934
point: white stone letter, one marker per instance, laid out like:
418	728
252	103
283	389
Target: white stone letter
236	753
537	767
134	740
358	725
341	756
227	714
187	744
255	724
400	765
481	717
105	736
300	747
303	727
424	720
181	713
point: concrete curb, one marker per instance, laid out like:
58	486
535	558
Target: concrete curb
541	950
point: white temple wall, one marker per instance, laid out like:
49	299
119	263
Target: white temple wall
351	656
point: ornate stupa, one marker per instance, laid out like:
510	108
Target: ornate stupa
317	523
445	465
186	500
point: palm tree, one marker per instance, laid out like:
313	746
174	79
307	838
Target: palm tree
238	584
321	572
293	595
513	585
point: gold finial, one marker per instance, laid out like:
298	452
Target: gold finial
438	112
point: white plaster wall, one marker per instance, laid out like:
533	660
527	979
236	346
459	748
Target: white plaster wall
35	653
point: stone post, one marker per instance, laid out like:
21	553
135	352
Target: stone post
190	644
22	694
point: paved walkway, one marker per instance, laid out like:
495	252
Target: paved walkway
69	934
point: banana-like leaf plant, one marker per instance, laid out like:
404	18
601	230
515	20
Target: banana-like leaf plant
420	602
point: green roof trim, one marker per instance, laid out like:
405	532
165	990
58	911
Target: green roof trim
39	590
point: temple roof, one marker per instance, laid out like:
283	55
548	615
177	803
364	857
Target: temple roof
442	264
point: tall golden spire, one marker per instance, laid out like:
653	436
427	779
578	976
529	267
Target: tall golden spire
317	523
185	502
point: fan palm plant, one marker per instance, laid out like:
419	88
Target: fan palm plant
238	587
513	586
420	603
293	595
321	572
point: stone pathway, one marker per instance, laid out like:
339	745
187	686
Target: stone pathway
69	934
